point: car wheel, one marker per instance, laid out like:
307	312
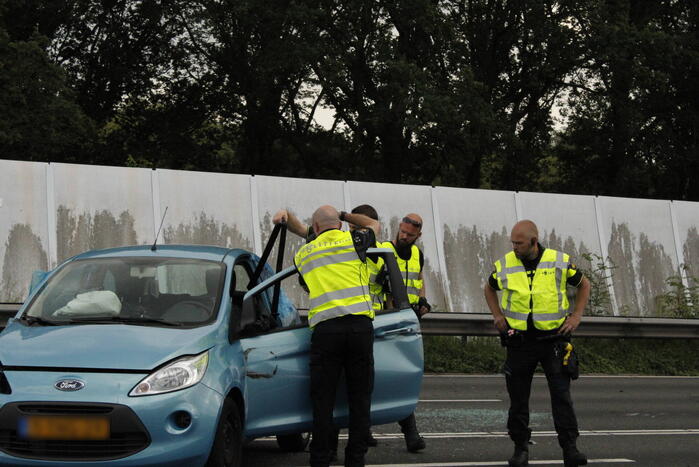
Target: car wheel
295	442
227	450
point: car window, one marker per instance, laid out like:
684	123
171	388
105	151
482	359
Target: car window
242	278
173	290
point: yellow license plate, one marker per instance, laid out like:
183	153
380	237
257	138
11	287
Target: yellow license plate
65	428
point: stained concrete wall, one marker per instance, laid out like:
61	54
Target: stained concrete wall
48	212
23	226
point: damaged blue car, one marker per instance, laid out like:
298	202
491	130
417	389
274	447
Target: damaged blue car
175	355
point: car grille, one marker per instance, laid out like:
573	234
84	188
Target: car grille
127	434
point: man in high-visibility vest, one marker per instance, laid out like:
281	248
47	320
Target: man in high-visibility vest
376	289
410	261
334	269
535	325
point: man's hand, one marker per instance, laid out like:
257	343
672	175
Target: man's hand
570	324
280	216
500	322
423	307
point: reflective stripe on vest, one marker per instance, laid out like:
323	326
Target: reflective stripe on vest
409	271
375	289
337	280
546	300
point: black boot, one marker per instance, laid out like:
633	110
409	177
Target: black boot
520	458
413	441
572	457
371	441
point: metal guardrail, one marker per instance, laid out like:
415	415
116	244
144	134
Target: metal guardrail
478	324
472	324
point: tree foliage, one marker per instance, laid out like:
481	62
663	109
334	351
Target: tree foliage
590	96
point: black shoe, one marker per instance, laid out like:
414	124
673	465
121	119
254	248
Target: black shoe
371	441
414	442
520	458
333	455
572	457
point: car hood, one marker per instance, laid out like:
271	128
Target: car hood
105	346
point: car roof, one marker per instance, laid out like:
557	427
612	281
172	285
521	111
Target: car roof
206	252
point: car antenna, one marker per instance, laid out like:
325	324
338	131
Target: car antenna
161	226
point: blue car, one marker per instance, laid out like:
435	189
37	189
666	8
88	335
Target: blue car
175	355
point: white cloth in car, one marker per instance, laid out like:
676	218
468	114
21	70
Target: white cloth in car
96	302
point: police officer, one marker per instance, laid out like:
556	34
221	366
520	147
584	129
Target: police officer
333	266
410	262
376	289
533	318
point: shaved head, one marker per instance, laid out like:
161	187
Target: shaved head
525	238
526	228
326	217
415	217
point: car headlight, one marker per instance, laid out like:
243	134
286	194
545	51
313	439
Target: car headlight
180	374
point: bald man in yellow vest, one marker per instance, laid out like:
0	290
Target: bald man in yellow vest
535	323
334	267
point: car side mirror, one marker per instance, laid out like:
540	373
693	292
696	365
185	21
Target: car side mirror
37	278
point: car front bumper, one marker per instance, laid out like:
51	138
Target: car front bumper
165	442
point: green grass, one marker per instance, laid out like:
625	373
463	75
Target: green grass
484	355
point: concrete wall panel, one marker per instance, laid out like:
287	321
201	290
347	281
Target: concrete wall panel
392	203
641	245
476	225
206	208
302	197
23	226
687	216
101	207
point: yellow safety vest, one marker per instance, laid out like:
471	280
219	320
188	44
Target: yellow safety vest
376	290
409	271
337	280
546	300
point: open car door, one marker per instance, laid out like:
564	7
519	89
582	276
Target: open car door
278	363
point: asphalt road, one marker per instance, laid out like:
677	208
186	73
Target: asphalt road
644	421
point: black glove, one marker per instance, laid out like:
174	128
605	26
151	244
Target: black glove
423	302
420	303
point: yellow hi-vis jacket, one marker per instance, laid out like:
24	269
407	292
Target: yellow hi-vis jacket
375	289
337	280
546	300
409	270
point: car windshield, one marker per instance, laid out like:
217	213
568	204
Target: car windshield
133	290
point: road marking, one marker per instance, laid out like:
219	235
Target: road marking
503	434
543	376
460	400
531	462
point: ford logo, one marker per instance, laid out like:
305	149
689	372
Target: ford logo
69	385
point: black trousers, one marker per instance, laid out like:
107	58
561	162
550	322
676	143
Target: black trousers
519	370
336	344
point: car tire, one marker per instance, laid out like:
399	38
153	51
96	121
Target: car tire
227	450
295	442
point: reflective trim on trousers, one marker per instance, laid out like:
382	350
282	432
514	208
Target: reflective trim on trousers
338	311
338	295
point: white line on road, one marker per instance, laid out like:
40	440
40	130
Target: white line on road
457	375
531	462
460	400
503	434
